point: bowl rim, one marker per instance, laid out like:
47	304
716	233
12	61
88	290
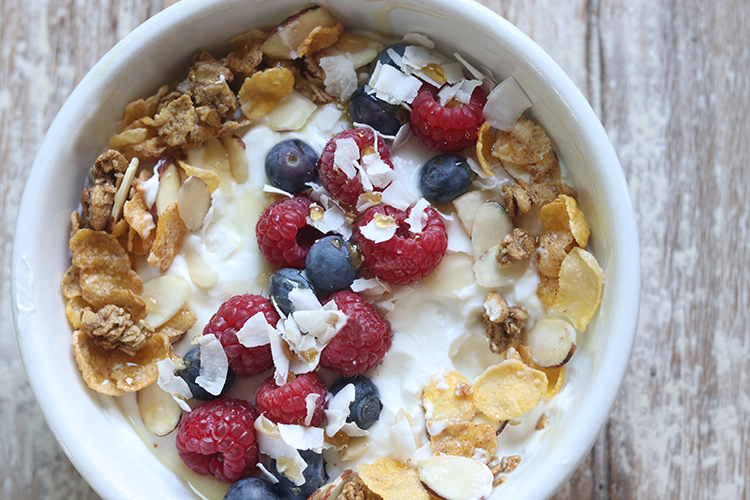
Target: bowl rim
595	406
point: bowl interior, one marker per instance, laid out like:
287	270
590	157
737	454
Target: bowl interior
94	432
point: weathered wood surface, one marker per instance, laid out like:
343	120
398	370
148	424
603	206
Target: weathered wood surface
671	83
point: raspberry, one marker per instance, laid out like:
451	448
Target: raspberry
284	237
287	405
446	128
406	258
335	180
230	317
218	438
363	341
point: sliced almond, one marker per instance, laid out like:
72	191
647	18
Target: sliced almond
213	156
456	478
169	186
193	202
122	192
237	155
158	409
468	204
489	273
362	50
201	273
551	341
164	296
491	224
453	274
283	41
291	112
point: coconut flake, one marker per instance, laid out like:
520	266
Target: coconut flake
471	69
379	172
271	189
453	72
346	156
418	216
303	299
370	286
419	39
280	361
397	196
214	365
368	199
327	117
415	57
171	383
341	75
289	462
425	451
402	136
254	332
338	409
401	437
310	401
267	475
393	86
505	104
302	437
378	232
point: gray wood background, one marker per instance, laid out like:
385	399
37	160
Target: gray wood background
670	80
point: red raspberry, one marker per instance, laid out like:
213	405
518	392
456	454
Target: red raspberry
286	404
363	341
345	189
283	235
230	317
446	128
218	438
406	258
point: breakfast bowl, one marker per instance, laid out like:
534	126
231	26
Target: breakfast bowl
102	435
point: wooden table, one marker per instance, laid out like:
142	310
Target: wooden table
671	83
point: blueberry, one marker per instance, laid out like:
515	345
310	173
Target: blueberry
290	164
284	281
384	58
365	409
383	117
332	263
192	362
445	178
252	488
314	474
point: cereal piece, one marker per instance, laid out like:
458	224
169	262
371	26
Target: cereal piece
112	328
555	380
507	464
542	423
441	402
466	439
319	38
120	228
136	245
581	283
392	480
176	121
208	84
246	54
97	249
516	245
140	220
76	222
525	144
508	390
553	249
128	138
563	214
114	372
111	164
485	141
97	202
169	232
74	309
70	283
260	93
547	290
502	323
517	200
210	177
354	489
178	324
142	108
100	287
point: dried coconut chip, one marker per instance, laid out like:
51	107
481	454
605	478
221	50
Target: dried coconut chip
302	437
505	105
471	69
392	480
508	390
214	365
401	438
417	218
169	233
254	333
563	214
172	384
419	39
393	86
381	228
338	409
289	463
346	156
340	75
310	405
397	196
581	282
260	93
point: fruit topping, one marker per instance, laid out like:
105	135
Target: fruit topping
447	128
412	253
365	409
283	235
192	362
284	281
301	401
252	488
362	342
218	438
315	477
445	178
230	318
290	165
383	117
332	263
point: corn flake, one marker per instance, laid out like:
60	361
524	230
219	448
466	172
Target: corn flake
464	439
114	372
320	37
207	175
74	310
547	290
555	380
140	220
178	324
526	144
168	241
442	402
485	141
260	93
98	249
508	390
581	283
563	214
70	284
128	138
392	480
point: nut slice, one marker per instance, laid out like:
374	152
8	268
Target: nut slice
456	478
193	202
283	41
159	411
491	224
164	297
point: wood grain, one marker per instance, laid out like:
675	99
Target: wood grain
670	80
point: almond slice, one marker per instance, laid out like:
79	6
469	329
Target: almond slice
193	202
491	224
237	155
158	409
456	478
169	186
467	205
164	296
283	41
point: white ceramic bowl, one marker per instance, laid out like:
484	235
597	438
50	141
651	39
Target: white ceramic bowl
94	433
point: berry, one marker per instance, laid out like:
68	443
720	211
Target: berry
192	361
252	488
218	438
385	58
290	164
333	263
334	179
230	317
365	409
446	128
283	234
383	117
287	405
445	178
284	281
315	476
362	342
407	257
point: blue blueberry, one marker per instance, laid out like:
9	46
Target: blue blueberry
315	476
384	58
383	117
365	409
252	488
332	263
284	281
192	369
445	178
290	164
